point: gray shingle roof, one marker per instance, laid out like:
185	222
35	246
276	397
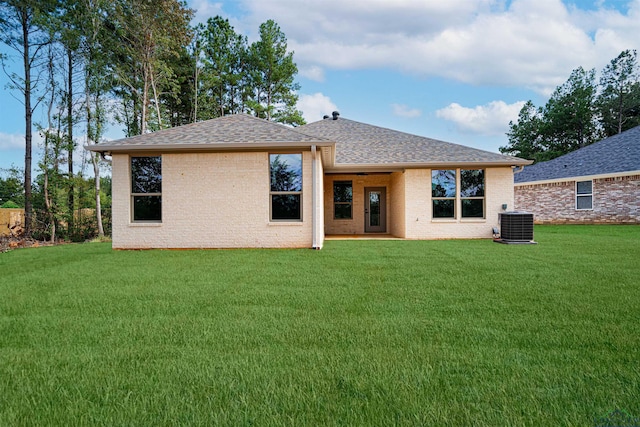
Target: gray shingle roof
356	144
363	144
237	129
618	153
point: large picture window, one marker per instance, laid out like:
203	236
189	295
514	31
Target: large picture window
286	187
146	189
472	193
342	200
447	187
443	193
584	195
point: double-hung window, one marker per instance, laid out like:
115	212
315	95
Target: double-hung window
472	193
146	189
452	185
342	200
584	195
286	187
443	193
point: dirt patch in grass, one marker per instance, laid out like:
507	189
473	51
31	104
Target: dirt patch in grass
8	243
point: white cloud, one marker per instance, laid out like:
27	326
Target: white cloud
491	119
402	110
204	10
315	106
527	43
312	72
11	141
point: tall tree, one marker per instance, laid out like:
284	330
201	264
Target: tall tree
224	74
149	32
570	114
11	187
22	28
567	121
68	24
525	136
619	99
53	142
180	105
273	88
96	40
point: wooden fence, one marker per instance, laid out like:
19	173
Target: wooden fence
11	219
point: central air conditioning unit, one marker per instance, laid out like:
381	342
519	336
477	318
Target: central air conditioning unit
516	227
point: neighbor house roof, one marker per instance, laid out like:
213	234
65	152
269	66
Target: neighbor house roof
228	132
360	144
616	154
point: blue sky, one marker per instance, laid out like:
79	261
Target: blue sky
456	70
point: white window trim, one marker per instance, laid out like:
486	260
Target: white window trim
583	195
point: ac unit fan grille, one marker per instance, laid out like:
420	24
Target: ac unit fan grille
516	226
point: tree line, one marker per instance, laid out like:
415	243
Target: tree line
139	63
579	112
52	223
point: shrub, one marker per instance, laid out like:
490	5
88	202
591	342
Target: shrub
9	205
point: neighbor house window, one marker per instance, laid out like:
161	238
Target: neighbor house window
146	188
472	193
443	193
286	187
342	199
584	195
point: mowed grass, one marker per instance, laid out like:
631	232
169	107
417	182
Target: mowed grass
360	333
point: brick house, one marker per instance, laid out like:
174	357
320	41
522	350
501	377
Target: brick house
240	181
599	183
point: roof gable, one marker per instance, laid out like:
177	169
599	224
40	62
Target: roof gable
361	144
618	153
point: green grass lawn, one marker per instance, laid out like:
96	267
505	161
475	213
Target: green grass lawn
360	333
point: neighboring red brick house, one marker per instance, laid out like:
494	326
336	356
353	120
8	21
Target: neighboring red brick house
599	183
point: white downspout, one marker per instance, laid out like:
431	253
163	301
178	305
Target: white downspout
314	243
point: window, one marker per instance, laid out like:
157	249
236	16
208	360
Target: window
146	189
286	187
342	199
584	195
472	193
443	193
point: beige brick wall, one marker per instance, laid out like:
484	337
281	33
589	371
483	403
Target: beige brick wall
409	205
397	218
615	200
210	200
421	225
